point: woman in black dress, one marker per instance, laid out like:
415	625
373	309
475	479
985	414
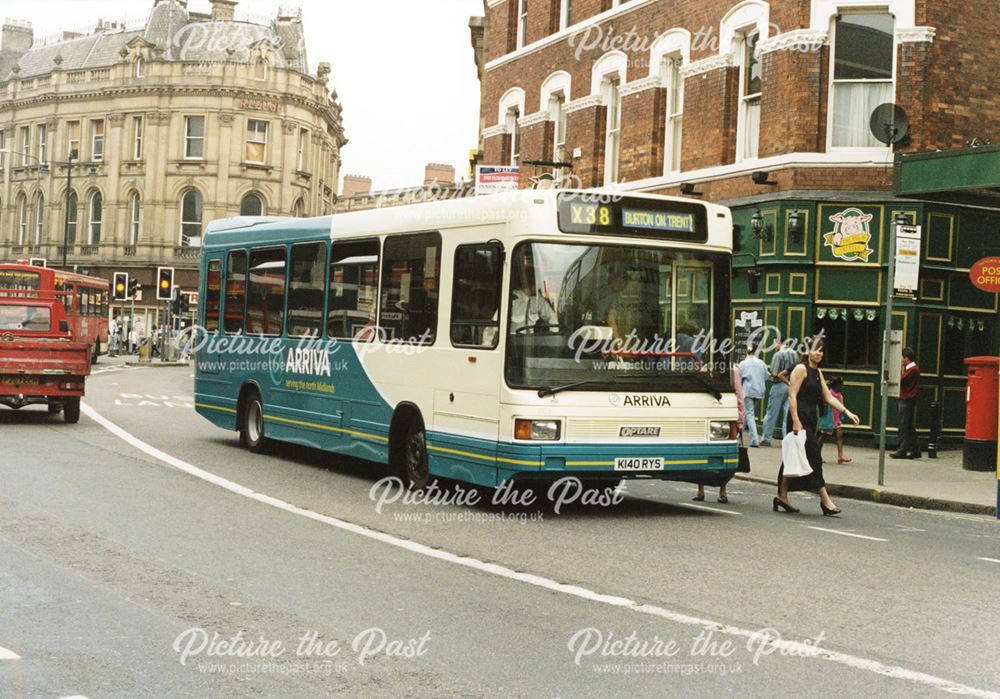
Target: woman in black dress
807	390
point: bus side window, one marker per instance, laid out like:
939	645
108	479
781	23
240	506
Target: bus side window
266	291
352	288
213	295
236	280
475	295
306	284
411	273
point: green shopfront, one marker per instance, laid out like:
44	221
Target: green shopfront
823	266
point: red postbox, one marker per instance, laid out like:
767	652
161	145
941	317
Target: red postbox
980	452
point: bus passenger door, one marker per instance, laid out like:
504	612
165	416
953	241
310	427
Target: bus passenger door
466	399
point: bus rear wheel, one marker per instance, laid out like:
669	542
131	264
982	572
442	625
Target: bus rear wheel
71	410
417	473
252	423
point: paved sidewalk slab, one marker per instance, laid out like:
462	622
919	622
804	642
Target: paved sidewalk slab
937	484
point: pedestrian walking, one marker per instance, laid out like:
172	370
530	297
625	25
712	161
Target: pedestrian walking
133	340
735	379
909	389
782	363
830	423
753	379
113	338
807	391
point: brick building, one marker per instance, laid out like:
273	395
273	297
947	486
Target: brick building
766	107
186	118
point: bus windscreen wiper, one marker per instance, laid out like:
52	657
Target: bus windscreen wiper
552	390
712	390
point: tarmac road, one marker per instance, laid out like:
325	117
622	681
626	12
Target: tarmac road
109	557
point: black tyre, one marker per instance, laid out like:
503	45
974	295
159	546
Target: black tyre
252	423
71	411
416	471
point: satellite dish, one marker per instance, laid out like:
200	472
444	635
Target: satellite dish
889	123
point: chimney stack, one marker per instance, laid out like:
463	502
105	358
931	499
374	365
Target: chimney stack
437	172
355	185
223	10
17	36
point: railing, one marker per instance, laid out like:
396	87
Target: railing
101	74
129	251
76	77
89	249
186	252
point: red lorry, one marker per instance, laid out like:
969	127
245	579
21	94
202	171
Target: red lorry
40	363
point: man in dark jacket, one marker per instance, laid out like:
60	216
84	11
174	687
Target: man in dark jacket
909	388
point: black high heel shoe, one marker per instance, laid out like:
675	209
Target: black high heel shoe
830	512
778	502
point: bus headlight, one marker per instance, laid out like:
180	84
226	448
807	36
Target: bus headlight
718	429
540	430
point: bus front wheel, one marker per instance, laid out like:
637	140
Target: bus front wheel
71	410
252	423
417	473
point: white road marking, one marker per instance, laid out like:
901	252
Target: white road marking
8	654
856	536
988	560
904	528
793	648
705	507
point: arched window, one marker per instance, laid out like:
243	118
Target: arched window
39	218
22	219
299	208
252	205
135	212
96	218
191	205
72	213
260	69
140	67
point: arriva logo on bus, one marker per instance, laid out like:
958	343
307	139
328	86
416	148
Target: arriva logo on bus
307	361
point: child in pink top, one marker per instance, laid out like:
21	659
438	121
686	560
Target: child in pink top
836	385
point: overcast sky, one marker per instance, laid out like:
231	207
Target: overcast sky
403	70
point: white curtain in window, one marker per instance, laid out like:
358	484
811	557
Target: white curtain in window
751	127
853	104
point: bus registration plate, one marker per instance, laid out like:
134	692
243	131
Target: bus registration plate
639	463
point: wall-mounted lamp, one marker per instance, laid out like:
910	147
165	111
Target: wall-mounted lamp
761	177
688	189
795	227
902	219
760	227
753	274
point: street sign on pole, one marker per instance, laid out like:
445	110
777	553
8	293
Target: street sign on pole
907	261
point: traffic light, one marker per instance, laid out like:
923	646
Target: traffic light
119	290
133	287
185	302
175	303
164	283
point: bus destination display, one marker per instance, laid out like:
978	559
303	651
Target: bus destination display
633	217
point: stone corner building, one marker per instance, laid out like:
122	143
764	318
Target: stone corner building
765	106
189	118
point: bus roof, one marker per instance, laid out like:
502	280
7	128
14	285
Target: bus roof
522	206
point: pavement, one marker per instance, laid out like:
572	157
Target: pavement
935	484
925	483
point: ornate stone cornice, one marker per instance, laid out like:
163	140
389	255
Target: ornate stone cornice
491	132
116	119
588	102
226	117
532	119
706	65
642	85
916	35
801	40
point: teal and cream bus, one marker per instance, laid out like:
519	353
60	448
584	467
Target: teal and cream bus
532	335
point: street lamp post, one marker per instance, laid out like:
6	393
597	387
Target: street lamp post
43	166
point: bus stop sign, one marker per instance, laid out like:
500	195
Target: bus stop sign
985	274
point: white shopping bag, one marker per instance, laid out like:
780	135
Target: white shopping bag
793	455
